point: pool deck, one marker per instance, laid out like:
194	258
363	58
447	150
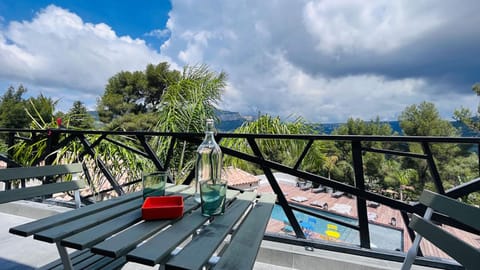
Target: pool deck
383	215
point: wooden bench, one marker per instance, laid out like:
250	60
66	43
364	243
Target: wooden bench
40	172
82	259
467	255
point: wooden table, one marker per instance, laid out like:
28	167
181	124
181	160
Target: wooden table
110	233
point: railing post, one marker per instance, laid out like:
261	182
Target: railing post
433	168
361	203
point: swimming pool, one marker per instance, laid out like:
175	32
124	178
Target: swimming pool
380	236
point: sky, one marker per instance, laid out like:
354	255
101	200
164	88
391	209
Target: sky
325	61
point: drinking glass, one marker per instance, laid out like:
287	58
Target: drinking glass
153	183
212	194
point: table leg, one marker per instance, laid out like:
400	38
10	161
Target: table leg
67	263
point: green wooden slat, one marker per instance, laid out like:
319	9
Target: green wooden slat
127	240
200	249
109	263
153	251
465	254
100	264
94	235
462	212
73	256
31	192
56	233
39	171
85	264
115	264
245	243
42	224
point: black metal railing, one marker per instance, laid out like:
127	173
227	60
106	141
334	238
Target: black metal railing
359	145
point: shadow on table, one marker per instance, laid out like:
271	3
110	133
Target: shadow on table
13	265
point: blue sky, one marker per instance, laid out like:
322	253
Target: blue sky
138	19
323	60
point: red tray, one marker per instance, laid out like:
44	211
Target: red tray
162	207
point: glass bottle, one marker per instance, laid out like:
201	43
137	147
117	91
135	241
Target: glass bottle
209	159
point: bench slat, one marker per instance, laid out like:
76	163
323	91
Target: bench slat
40	171
75	256
467	214
42	190
465	254
93	236
127	240
199	252
56	233
241	253
41	224
155	250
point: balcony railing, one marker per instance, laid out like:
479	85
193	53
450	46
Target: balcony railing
140	144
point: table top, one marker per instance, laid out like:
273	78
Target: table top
115	228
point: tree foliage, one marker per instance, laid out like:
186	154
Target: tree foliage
280	150
12	108
425	120
78	117
185	106
133	93
465	116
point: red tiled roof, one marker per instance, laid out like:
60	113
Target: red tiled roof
238	177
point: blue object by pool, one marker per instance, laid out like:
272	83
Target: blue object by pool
380	236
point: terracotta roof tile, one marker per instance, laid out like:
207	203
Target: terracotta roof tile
238	177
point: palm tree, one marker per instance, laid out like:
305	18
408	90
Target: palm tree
399	177
185	106
283	151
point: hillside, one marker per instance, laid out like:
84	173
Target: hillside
229	121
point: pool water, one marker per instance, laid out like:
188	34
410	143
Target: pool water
380	236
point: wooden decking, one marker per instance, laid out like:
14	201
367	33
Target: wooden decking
381	215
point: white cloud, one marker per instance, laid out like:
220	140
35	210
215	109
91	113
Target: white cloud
323	60
158	33
60	53
353	26
330	60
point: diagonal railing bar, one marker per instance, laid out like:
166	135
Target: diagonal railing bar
464	189
411	233
171	147
151	154
302	156
86	145
393	152
136	151
282	201
433	168
322	180
98	140
190	177
361	203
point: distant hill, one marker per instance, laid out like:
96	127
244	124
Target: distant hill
229	121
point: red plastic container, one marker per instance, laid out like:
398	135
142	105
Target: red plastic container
162	207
